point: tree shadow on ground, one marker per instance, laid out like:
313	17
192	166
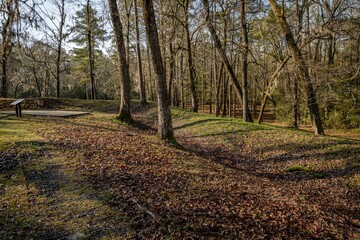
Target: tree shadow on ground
47	180
39	214
271	164
143	126
276	155
197	123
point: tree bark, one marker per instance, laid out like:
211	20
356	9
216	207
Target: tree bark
37	81
138	55
191	68
212	69
171	71
59	46
124	113
150	80
182	81
90	52
244	59
302	68
127	25
295	119
6	45
224	99
217	92
165	129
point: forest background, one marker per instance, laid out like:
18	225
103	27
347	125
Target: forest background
62	48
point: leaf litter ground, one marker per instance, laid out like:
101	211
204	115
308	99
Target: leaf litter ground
91	177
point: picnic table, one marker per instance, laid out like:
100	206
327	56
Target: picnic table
17	105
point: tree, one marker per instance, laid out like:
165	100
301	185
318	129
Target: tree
302	68
223	55
37	66
190	65
9	12
89	31
125	114
60	38
165	129
244	59
54	28
138	57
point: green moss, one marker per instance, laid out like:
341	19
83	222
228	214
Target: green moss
124	118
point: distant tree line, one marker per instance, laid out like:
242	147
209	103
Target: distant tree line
298	59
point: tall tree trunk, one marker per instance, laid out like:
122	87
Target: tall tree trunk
217	92
4	80
150	80
90	51
230	102
47	82
37	81
244	59
182	81
302	68
7	44
138	55
234	104
212	69
59	46
223	55
203	91
225	93
171	70
124	114
175	96
295	118
191	68
300	11
165	129
127	33
331	49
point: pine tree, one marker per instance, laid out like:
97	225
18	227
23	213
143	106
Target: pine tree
89	28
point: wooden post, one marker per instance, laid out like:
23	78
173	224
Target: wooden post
19	107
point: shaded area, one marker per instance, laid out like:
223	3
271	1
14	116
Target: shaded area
8	161
41	198
47	180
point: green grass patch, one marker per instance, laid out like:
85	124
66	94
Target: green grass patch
14	133
204	125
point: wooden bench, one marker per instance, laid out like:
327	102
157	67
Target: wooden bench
17	105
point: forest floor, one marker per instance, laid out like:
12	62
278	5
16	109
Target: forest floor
91	177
